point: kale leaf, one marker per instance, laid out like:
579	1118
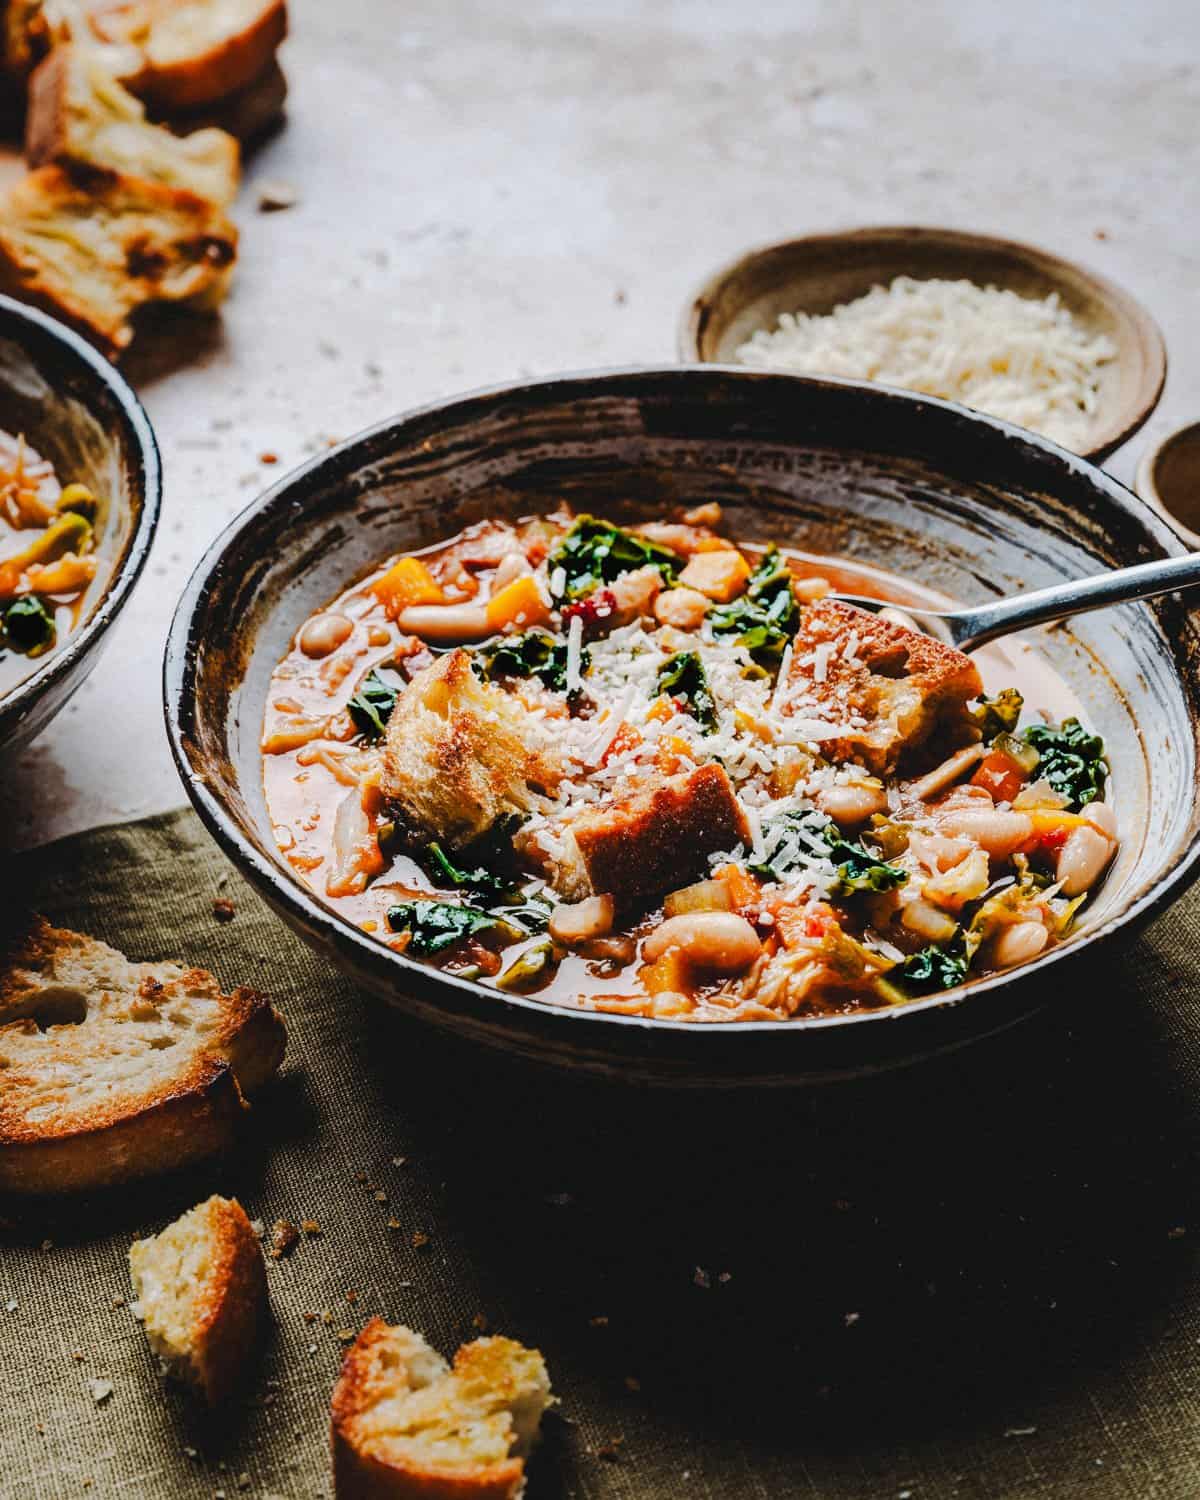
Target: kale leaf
683	676
28	625
436	926
936	968
765	617
534	654
372	705
595	552
998	715
1071	760
858	868
481	880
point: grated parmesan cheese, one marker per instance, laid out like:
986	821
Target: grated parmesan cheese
1024	359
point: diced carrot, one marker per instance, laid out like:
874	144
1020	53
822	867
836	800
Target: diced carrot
1000	775
628	737
668	973
744	888
518	603
407	582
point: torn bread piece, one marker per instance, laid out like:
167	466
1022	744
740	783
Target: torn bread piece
191	53
461	754
80	115
638	847
407	1426
247	114
111	1070
890	687
93	253
202	1292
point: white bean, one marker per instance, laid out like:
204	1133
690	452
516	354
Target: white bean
445	623
719	940
581	920
853	802
997	832
1082	859
1018	943
510	569
682	607
325	633
1102	815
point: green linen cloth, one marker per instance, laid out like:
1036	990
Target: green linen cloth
972	1279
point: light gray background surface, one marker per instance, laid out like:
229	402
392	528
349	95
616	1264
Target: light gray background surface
490	191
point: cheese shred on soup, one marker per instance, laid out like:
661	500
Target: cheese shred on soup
655	771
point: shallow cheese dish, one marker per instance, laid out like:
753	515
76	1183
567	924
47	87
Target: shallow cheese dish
658	771
409	571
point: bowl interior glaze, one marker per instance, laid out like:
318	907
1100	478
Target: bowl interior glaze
958	502
78	412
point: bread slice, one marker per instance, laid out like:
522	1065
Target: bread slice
93	252
461	754
79	115
246	115
405	1426
637	848
202	1292
191	52
111	1070
890	686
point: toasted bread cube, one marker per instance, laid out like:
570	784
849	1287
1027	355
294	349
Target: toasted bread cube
460	754
404	1424
92	254
203	1295
650	842
891	686
79	114
111	1070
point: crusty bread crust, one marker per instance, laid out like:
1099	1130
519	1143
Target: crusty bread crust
180	1057
93	251
229	1304
375	1374
245	115
80	116
901	683
193	52
652	841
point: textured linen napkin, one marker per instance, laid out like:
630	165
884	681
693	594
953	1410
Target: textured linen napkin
976	1278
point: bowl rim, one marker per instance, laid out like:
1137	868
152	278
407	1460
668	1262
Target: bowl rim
1145	482
286	890
144	444
691	324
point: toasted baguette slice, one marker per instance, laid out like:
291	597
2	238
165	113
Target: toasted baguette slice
192	52
635	849
461	754
80	115
890	686
405	1426
111	1070
93	253
203	1295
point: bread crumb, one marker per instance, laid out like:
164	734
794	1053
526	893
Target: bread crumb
275	195
611	1450
381	1197
243	1481
47	1244
268	458
399	1161
223	909
11	1305
480	1322
310	1227
284	1238
419	1239
394	1223
258	1227
100	1390
345	1335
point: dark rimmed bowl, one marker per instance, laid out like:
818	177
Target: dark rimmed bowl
965	504
816	272
77	411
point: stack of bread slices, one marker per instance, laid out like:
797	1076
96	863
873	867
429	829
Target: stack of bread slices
135	112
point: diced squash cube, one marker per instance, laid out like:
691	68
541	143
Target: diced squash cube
717	575
668	974
407	582
518	603
744	888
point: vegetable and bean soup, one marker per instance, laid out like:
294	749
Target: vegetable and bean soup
654	771
46	556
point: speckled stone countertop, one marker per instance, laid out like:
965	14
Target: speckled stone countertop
486	194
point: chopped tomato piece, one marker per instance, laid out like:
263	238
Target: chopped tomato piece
1054	839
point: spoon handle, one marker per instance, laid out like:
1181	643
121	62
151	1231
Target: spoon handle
1143	581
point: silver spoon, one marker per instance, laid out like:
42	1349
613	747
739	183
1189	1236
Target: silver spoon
978	623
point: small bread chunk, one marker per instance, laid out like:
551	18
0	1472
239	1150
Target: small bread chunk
461	754
247	115
191	53
93	253
645	844
405	1426
889	685
80	115
111	1070
203	1295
